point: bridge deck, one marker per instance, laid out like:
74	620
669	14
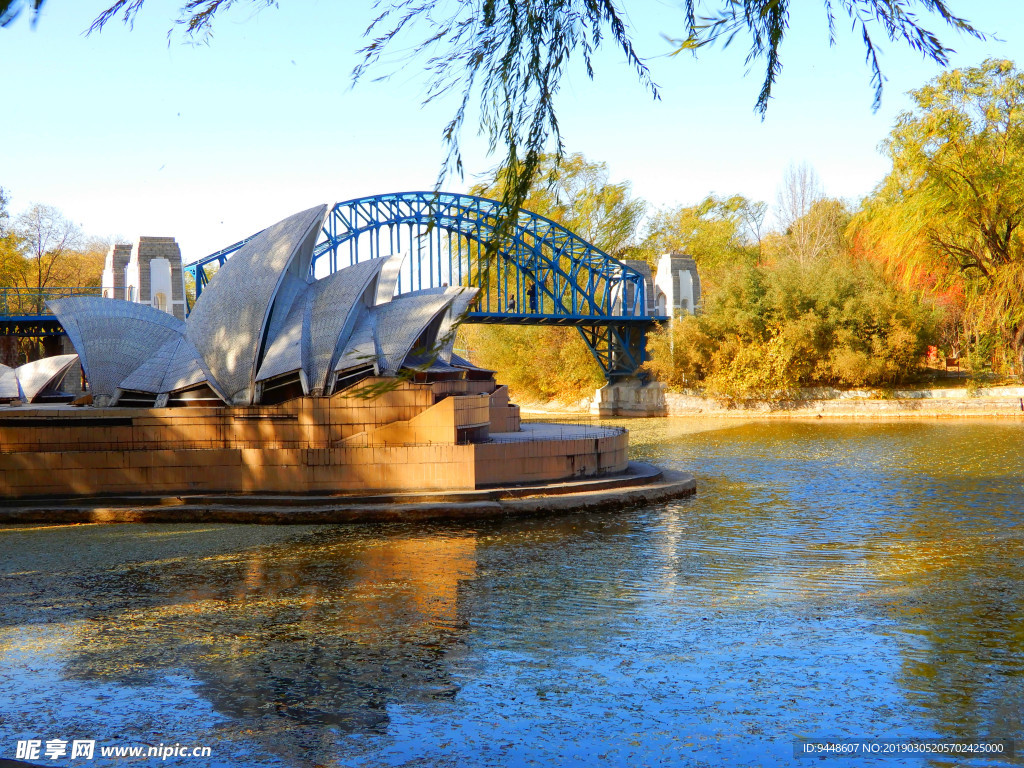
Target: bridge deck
528	318
529	263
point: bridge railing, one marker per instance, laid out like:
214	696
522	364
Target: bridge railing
532	271
541	272
537	271
31	302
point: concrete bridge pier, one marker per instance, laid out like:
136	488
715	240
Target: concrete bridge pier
630	397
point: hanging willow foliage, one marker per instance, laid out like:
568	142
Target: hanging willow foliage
505	59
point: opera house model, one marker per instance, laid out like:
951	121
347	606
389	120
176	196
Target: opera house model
278	383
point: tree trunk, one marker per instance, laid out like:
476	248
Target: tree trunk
9	351
1018	348
52	346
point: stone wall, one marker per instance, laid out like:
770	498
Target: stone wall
311	444
953	402
149	248
503	463
128	266
630	398
113	273
504	416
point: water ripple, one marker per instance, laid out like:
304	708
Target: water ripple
829	579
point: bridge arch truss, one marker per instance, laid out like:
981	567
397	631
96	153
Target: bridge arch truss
536	273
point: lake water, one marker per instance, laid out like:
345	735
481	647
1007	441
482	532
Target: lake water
841	580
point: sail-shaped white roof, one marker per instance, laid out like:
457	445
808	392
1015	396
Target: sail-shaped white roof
113	337
8	384
176	365
261	317
229	324
43	375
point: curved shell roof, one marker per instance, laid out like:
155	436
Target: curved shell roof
28	381
321	318
284	353
263	316
360	349
229	323
176	365
333	311
9	389
388	280
44	374
399	324
446	337
113	337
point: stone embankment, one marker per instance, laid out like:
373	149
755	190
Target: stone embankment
1002	401
936	403
640	484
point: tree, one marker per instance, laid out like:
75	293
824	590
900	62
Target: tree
505	59
717	232
12	265
5	216
577	194
813	225
801	188
952	209
48	239
766	330
542	362
41	251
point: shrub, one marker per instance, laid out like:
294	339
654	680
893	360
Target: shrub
768	329
537	363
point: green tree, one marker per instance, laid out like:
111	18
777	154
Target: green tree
544	363
505	59
12	264
53	254
717	232
951	211
48	239
577	194
767	329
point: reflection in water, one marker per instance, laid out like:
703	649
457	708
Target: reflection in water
830	579
294	642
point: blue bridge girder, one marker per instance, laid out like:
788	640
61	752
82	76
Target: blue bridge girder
23	311
539	273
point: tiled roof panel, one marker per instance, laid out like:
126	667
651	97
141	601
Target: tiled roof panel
446	337
284	355
185	370
113	337
229	321
399	324
361	349
149	377
388	280
333	315
9	385
43	374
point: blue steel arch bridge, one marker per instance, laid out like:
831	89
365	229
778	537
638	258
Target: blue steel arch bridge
536	272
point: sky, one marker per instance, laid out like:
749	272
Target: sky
130	133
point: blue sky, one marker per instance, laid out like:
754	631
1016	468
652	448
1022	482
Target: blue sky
129	135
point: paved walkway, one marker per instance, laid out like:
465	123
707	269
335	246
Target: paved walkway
532	431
